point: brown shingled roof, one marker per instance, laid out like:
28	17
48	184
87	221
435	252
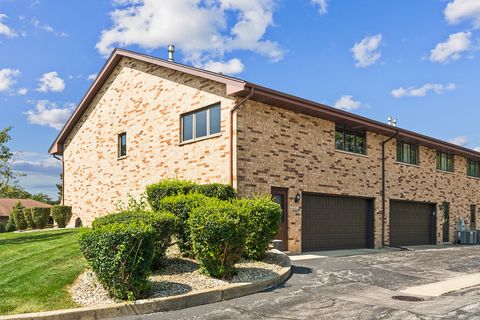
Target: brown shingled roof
6	205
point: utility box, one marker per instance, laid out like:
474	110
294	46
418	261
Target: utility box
467	236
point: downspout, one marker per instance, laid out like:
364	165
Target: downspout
384	186
63	177
235	107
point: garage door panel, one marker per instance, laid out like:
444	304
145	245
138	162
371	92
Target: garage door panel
411	223
332	222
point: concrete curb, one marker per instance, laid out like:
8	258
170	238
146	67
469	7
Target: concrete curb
139	307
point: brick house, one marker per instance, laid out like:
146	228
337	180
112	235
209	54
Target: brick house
337	175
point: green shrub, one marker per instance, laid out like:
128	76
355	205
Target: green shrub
216	190
11	220
218	237
27	214
156	192
61	215
40	216
10	227
181	206
162	222
2	228
262	221
17	216
121	255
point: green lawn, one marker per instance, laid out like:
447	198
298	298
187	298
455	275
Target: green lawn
36	269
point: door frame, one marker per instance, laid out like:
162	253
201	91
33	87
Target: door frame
434	219
284	192
370	212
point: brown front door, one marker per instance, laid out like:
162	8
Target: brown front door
280	196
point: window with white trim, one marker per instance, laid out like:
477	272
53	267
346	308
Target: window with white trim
201	123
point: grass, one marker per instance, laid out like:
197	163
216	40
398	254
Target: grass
36	269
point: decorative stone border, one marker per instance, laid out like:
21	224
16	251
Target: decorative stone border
146	306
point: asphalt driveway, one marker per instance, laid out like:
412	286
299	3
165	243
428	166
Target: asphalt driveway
357	287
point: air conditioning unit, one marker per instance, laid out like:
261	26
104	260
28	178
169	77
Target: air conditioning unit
467	236
478	238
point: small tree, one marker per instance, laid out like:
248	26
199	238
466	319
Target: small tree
18	217
7	175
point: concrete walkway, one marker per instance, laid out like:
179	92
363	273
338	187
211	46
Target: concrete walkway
441	287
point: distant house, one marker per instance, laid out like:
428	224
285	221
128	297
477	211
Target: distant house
6	206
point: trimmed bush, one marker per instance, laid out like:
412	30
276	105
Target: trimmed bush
9	227
218	237
2	228
11	220
156	192
27	214
262	221
61	215
216	190
181	206
40	216
162	222
19	218
121	255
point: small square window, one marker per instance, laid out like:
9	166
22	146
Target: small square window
122	145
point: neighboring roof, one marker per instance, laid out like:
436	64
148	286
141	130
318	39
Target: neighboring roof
240	88
6	205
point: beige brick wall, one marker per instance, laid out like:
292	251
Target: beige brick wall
145	101
280	148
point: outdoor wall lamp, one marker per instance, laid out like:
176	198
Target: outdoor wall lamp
297	198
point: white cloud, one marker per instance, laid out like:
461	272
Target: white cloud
50	114
202	30
45	27
460	10
8	78
232	66
459	141
51	82
423	90
451	49
477	149
347	103
322	6
92	76
22	91
366	51
4	29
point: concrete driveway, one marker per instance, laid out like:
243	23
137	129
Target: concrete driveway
361	287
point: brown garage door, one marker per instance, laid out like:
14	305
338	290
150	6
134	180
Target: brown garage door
331	222
411	223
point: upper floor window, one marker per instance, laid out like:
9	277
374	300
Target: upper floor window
201	123
444	161
473	168
122	145
407	152
350	140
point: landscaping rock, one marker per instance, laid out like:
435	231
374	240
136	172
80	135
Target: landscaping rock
179	276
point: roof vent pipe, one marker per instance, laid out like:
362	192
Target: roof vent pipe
171	51
392	121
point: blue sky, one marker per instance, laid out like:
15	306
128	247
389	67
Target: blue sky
414	60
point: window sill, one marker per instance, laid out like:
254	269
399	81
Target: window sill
352	153
445	171
472	177
408	164
216	135
122	158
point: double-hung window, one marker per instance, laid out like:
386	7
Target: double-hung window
350	140
407	152
202	123
444	161
473	168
